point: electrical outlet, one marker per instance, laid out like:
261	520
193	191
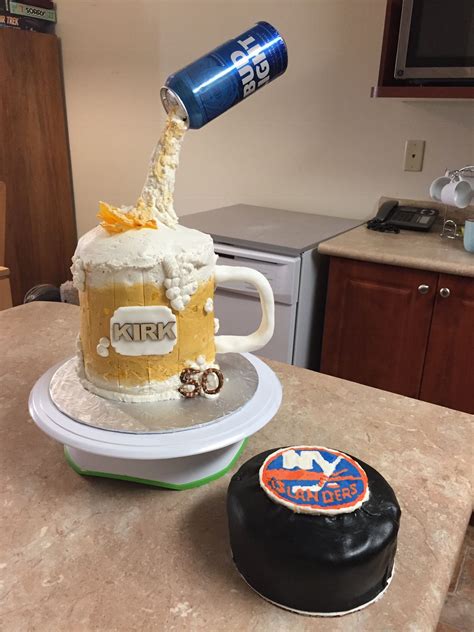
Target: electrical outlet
414	152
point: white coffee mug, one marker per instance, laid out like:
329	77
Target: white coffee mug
437	187
457	194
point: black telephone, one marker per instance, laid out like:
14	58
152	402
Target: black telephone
391	217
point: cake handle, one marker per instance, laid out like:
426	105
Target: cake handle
259	338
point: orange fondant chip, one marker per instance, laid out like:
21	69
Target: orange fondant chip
114	220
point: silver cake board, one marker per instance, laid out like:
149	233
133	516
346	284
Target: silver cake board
175	458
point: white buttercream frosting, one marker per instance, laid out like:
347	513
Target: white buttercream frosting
78	274
152	392
157	193
103	347
156	254
102	351
200	364
179	271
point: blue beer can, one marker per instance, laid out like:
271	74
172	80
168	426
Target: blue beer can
225	76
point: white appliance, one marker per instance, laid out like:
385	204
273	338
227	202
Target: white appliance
282	245
237	305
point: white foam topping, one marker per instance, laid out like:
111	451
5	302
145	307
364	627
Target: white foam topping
146	250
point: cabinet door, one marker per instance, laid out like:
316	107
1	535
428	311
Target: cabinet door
377	324
448	376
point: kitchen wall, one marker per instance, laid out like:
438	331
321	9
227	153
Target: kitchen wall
312	141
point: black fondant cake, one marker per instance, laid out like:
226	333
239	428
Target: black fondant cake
312	529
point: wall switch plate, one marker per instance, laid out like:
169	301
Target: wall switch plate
414	152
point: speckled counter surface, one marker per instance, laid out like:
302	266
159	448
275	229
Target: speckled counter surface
409	249
86	554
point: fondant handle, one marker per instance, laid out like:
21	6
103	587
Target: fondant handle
259	338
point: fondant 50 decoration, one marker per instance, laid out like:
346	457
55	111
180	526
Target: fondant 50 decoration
314	480
143	330
195	382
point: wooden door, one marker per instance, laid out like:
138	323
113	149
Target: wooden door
448	376
34	161
377	324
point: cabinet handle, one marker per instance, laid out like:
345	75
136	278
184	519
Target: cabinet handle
423	289
444	292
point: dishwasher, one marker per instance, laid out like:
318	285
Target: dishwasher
237	305
282	245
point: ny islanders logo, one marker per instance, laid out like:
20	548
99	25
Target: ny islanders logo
314	480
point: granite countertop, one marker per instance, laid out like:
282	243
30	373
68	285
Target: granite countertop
89	554
409	249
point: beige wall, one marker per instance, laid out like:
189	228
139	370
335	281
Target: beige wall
313	141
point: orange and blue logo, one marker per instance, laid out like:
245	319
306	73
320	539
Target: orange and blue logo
314	480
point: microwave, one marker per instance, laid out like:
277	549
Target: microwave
436	41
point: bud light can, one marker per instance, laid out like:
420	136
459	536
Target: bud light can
231	72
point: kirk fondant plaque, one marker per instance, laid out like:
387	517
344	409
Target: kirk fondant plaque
143	330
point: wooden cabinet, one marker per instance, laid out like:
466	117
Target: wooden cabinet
34	161
448	376
398	330
377	324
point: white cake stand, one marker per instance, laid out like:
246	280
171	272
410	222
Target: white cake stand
180	459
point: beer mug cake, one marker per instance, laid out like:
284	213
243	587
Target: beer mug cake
146	289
